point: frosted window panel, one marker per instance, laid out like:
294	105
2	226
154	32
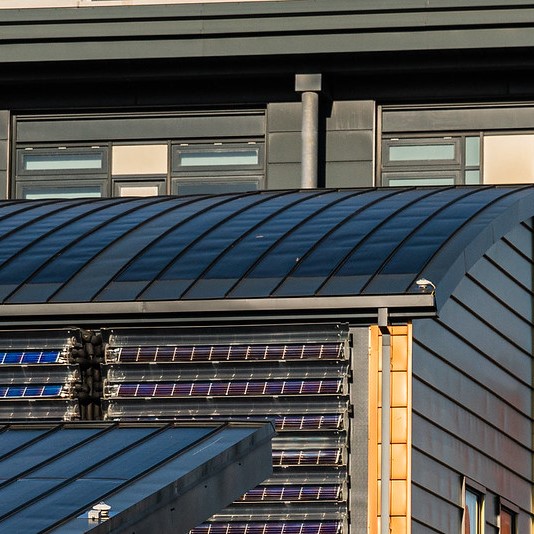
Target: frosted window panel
422	152
61	162
508	159
217	158
139	159
139	191
34	193
472	177
472	151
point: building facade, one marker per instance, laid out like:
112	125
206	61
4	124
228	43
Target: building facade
250	101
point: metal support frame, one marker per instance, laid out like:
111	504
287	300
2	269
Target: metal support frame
385	464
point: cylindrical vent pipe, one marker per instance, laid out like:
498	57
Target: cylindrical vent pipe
310	86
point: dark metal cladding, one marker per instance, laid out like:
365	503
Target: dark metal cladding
266	244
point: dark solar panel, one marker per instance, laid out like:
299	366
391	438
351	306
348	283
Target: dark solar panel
293	493
225	388
301	351
289	527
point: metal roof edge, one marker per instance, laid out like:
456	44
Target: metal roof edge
74	309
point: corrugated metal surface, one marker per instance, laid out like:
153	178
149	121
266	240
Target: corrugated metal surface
263	28
314	243
472	391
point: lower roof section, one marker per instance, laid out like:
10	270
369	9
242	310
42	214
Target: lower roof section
149	477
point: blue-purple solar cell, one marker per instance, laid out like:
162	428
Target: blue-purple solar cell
227	388
30	391
307	457
274	352
29	357
287	527
309	422
326	492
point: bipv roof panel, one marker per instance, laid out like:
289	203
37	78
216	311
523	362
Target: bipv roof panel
257	245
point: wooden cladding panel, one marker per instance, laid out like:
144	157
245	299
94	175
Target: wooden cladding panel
400	430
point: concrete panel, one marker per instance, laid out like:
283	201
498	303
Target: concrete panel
142	127
4	124
283	175
4	147
349	145
284	148
352	115
350	174
284	117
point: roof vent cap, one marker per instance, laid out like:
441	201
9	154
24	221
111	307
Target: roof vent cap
99	512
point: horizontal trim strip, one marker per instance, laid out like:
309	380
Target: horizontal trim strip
422	302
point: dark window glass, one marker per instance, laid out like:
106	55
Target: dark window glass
211	187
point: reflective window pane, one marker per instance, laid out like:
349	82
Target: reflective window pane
472	151
60	162
422	152
471	513
472	177
507	522
33	192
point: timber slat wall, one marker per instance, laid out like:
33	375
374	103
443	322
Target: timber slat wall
476	359
262	28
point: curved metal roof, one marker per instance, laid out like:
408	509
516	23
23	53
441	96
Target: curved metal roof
268	244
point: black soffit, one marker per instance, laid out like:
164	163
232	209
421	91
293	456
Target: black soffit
260	245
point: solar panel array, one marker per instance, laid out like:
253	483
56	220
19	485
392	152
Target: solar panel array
295	376
38	375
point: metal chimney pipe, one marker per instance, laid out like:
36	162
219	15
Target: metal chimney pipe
310	86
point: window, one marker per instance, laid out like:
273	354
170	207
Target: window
61	160
217	167
436	160
138	170
61	172
473	516
457	144
35	191
138	154
507	517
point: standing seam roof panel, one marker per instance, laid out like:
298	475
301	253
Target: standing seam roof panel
347	242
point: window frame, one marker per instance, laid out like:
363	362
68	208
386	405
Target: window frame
101	184
512	510
21	152
176	181
139	181
437	140
178	148
480	492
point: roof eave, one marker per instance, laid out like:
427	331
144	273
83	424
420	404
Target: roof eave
423	303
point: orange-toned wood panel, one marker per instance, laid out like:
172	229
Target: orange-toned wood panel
400	430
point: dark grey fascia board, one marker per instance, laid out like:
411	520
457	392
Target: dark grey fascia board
240	29
419	302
